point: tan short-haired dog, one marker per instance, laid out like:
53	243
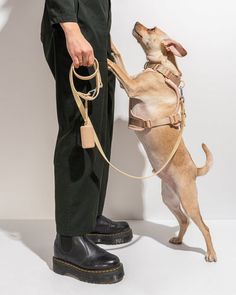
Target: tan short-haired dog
156	121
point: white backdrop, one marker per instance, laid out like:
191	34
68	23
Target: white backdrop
28	125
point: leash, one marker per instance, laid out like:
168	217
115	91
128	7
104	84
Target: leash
89	137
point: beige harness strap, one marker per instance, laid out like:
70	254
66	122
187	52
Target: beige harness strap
173	120
164	71
78	95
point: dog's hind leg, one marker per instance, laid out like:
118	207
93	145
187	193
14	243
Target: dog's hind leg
189	201
171	200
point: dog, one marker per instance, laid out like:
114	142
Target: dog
152	98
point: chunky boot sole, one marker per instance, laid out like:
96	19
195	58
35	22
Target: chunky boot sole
111	239
107	276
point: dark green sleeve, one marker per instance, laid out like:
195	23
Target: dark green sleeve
61	11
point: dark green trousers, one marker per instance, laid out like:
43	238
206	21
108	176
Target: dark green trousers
80	175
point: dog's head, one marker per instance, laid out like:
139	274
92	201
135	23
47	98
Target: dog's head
154	40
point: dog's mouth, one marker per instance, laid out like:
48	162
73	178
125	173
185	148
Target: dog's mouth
137	34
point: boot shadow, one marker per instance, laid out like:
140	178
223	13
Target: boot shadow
37	235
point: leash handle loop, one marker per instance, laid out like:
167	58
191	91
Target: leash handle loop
92	94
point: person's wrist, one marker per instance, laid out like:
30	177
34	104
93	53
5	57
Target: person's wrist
70	28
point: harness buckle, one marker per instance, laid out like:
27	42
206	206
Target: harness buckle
147	124
174	119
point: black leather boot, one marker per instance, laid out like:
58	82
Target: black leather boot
110	232
80	257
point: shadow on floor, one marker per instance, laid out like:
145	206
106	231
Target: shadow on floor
160	233
38	236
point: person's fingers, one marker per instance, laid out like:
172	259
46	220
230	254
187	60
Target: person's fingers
91	59
76	62
80	58
88	58
85	59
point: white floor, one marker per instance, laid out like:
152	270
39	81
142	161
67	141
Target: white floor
152	266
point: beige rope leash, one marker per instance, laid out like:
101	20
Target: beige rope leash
88	133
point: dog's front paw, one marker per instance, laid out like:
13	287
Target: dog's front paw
115	56
175	240
109	64
210	257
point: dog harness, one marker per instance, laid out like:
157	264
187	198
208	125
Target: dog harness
174	119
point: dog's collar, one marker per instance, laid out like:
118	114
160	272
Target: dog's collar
167	73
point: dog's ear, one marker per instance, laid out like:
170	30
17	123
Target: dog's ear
174	47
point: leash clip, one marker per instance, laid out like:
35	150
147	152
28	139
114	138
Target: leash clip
181	86
92	92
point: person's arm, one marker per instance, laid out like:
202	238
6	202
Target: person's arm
78	47
61	11
64	13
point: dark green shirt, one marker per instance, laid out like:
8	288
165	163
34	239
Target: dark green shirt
58	11
62	10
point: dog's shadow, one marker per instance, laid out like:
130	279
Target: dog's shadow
160	233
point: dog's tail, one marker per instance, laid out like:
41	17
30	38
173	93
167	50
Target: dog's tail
209	162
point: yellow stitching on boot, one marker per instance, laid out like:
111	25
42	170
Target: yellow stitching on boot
116	234
84	270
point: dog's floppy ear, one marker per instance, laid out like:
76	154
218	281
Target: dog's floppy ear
174	47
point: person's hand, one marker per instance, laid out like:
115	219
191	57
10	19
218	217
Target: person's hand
79	48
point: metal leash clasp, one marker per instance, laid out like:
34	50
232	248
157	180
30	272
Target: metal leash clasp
181	86
92	92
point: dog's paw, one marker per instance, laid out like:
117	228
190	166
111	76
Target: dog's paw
211	257
109	64
175	240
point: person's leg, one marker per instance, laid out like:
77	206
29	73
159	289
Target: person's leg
108	127
109	122
78	172
107	231
78	175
